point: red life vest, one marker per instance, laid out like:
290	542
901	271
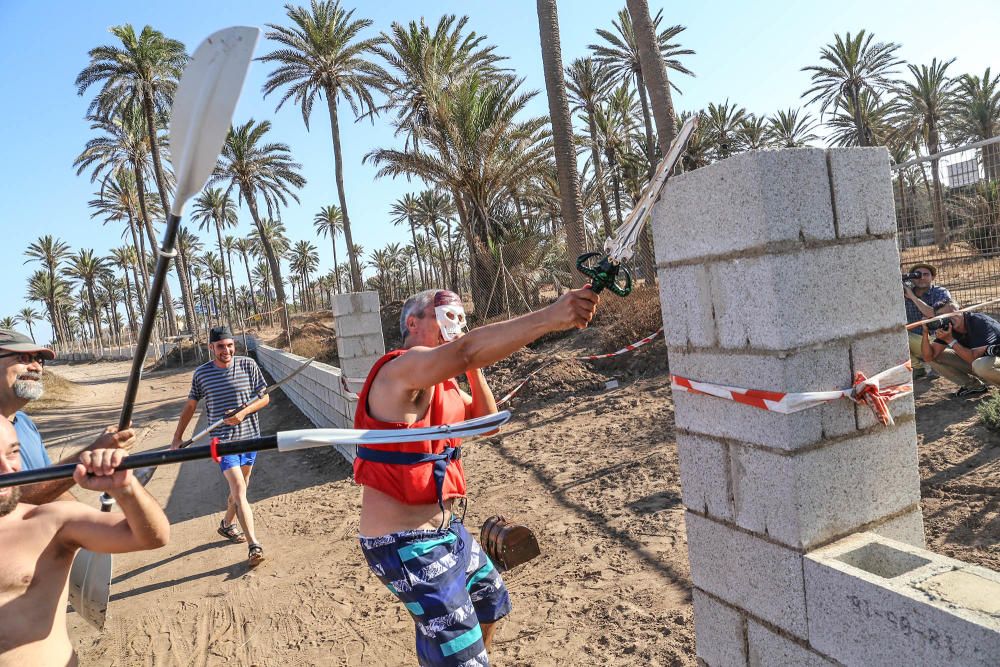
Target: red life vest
412	484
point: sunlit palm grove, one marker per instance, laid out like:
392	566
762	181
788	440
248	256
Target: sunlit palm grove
502	199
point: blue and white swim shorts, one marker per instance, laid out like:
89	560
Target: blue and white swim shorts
448	584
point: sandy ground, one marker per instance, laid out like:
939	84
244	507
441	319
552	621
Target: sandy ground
593	471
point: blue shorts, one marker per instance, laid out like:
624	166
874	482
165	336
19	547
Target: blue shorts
236	460
448	584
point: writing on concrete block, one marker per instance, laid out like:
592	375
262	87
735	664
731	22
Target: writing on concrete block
902	624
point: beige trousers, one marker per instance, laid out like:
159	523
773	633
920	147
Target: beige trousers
984	370
915	359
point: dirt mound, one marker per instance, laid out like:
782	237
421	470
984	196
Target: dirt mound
313	335
390	324
58	392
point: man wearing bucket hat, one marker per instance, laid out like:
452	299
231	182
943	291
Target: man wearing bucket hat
227	383
920	299
21	363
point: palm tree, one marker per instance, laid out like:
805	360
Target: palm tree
589	83
214	208
322	56
789	129
8	322
144	71
245	247
117	201
406	210
188	245
722	124
265	171
435	211
50	252
125	258
330	222
52	292
975	116
477	120
29	316
621	54
304	260
876	121
753	133
923	105
562	132
87	268
854	65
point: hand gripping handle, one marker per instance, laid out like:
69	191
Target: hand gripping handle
605	274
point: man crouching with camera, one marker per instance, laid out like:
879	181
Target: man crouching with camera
964	349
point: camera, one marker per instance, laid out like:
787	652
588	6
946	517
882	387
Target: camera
912	275
944	325
992	351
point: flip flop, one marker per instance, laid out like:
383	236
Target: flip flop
255	555
231	532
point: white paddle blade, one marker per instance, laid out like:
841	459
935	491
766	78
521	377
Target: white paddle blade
90	586
203	107
326	437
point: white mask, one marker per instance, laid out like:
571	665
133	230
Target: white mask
450	314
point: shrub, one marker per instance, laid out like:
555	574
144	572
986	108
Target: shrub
989	412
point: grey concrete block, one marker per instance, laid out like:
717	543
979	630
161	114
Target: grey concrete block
785	301
747	201
862	191
748	572
822	369
686	300
819	494
718	632
358	367
360	346
907	528
358	325
874	354
355	302
875	601
769	649
704	476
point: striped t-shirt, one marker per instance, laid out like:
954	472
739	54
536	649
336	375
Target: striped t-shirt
226	388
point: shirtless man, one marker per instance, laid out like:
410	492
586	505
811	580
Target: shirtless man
40	542
409	536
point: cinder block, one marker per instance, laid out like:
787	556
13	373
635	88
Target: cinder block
907	528
815	495
875	601
768	649
358	324
358	367
704	476
795	299
748	572
355	302
718	631
686	300
862	191
874	354
360	346
822	369
747	201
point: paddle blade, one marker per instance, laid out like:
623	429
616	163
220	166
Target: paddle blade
203	107
90	586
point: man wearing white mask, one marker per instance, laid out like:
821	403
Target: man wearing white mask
411	539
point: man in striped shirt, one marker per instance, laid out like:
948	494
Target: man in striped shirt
232	387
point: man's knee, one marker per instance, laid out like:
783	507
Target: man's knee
985	368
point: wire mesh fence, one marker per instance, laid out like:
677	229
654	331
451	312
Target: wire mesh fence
948	215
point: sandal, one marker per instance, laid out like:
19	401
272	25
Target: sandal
255	555
231	532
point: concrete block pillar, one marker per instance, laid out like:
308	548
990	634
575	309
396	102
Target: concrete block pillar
779	271
357	322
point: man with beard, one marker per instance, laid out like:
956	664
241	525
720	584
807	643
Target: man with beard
21	364
40	542
409	536
229	383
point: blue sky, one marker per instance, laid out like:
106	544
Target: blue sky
750	53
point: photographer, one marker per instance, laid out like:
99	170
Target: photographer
920	293
964	349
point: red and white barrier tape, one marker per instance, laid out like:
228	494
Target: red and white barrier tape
628	348
513	392
875	392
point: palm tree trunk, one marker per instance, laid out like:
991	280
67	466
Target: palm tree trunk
595	157
272	263
167	299
95	313
859	122
338	163
225	296
253	294
336	273
937	207
654	71
232	287
416	251
562	132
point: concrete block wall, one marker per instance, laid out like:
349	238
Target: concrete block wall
357	322
779	271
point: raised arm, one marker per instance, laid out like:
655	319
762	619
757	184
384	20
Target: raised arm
143	526
423	367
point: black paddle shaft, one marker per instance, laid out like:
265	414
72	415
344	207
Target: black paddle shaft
166	253
145	459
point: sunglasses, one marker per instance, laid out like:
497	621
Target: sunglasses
26	357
